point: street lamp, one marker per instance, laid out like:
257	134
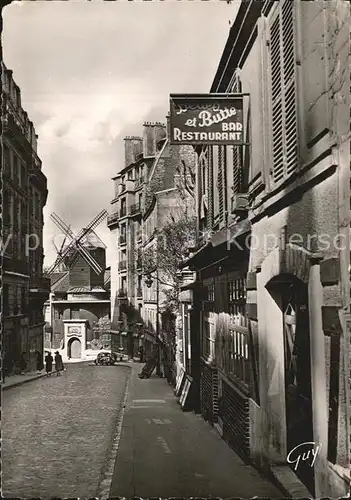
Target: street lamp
148	282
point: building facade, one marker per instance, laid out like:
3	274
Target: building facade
149	188
24	197
272	294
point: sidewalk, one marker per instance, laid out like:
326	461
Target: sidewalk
15	380
164	452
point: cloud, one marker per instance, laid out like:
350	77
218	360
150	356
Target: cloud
91	73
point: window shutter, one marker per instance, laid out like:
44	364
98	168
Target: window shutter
283	91
237	150
222	184
210	188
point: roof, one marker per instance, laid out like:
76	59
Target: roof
56	276
235	48
91	239
62	284
79	289
85	289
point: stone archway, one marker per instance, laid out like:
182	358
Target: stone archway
284	317
74	348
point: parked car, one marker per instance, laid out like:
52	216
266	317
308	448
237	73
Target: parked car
105	358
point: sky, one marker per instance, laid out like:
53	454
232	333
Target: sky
91	73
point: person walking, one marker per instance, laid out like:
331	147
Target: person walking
48	363
58	363
39	361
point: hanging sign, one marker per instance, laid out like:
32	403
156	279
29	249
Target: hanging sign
198	119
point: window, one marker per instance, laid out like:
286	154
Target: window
208	336
123	207
237	301
283	92
124	284
130	175
5	300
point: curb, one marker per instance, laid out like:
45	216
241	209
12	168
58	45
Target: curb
21	382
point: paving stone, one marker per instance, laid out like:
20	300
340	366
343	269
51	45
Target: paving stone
57	432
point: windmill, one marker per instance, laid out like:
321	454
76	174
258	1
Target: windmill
76	243
59	265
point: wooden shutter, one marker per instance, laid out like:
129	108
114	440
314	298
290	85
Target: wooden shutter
237	150
222	185
283	91
210	188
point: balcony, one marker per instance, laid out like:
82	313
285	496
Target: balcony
123	239
135	209
139	293
122	265
112	219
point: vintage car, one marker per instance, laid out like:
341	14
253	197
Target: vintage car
105	358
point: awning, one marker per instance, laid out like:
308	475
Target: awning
220	246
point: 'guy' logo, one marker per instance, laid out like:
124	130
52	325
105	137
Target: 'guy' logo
297	454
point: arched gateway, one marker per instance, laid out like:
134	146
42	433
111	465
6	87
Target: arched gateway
74	348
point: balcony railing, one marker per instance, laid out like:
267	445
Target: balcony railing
122	265
135	208
113	218
139	292
123	239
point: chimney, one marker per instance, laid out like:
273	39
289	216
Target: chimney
149	146
160	131
132	145
153	132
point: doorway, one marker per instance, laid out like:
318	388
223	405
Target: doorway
74	349
293	298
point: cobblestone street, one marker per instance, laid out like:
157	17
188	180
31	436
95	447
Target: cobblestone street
56	432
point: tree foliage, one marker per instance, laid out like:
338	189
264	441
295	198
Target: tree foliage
171	247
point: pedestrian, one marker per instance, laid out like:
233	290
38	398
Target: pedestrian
48	363
23	363
141	353
58	363
39	361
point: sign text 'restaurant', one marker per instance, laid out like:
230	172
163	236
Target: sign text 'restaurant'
206	119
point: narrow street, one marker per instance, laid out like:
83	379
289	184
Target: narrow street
57	431
59	434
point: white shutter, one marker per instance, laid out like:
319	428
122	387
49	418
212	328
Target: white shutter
283	88
237	150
